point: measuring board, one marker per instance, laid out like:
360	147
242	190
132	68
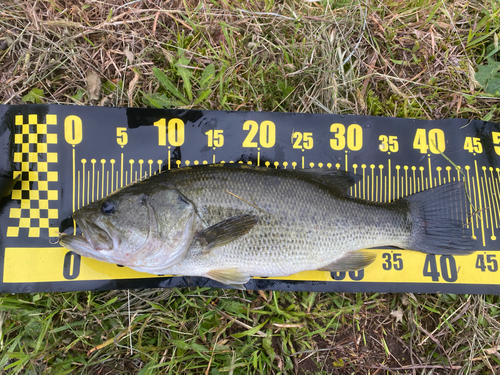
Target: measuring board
68	156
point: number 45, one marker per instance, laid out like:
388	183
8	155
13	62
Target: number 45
473	144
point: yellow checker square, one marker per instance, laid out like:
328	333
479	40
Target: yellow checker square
32	138
25	166
33	176
34	194
12	232
51	176
16	194
52	195
41	147
33	157
44	223
18	138
24	222
25	203
17	174
42	166
25	129
51	119
25	147
52	157
43	185
52	138
15	213
54	232
43	204
34	232
19	120
35	213
18	157
32	119
25	185
41	129
53	214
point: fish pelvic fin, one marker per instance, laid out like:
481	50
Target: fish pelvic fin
351	262
438	218
229	276
226	231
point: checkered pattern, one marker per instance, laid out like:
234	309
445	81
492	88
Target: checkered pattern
38	192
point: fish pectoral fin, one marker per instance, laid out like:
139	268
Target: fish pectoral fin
226	231
351	262
229	276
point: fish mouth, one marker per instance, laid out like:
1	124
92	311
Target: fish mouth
95	238
98	237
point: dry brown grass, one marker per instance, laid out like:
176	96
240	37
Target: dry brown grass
398	58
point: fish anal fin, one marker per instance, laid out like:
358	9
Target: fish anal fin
226	231
351	262
229	276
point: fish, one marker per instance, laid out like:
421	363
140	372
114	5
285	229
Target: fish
229	222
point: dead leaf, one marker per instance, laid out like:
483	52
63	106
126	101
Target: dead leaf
131	87
492	350
129	55
93	85
398	314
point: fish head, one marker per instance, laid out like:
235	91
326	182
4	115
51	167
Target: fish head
135	227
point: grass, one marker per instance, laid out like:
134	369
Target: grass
414	58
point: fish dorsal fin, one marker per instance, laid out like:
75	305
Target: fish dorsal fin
341	180
230	276
351	262
226	231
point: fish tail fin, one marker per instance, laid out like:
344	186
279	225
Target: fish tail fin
439	217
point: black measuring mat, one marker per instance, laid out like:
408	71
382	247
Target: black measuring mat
67	156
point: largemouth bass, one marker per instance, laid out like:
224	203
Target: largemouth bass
231	222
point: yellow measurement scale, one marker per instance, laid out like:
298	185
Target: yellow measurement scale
66	157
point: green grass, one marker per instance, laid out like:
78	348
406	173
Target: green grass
417	59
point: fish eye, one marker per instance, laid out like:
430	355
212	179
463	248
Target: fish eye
108	207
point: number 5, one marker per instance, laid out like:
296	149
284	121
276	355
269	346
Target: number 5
121	136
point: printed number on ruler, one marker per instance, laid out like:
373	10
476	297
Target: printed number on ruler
73	132
433	141
215	138
447	265
487	262
353	275
354	139
473	145
174	130
388	143
71	265
392	261
302	140
496	141
266	131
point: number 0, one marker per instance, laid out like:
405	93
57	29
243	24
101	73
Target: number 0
73	129
71	267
